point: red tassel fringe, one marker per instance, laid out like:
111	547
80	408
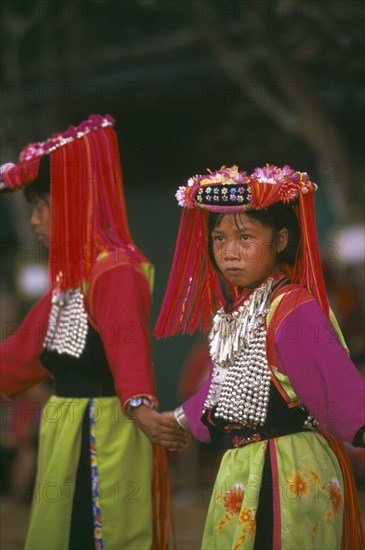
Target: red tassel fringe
88	207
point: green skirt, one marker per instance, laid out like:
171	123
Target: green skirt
122	462
307	496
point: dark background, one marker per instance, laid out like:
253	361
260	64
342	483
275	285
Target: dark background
192	85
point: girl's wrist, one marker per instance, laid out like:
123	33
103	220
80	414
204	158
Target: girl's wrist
181	418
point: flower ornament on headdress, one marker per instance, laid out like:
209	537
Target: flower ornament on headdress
233	190
271	174
223	187
194	289
94	122
13	176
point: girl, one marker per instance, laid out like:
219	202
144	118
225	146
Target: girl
280	379
99	482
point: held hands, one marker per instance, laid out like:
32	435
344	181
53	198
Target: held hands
170	415
161	428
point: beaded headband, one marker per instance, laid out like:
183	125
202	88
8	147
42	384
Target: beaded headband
14	176
229	190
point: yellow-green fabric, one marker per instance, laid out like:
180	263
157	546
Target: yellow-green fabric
307	484
149	272
308	492
124	482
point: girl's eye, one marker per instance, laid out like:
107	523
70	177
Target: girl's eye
218	238
245	237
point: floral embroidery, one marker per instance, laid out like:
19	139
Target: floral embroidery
227	519
334	489
313	474
299	483
234	497
240	541
247	519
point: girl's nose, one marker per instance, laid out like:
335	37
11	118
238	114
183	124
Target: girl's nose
231	250
34	218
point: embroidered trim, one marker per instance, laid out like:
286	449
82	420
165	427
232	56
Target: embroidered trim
98	524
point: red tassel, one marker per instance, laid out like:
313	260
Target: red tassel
88	207
308	268
161	502
352	533
193	288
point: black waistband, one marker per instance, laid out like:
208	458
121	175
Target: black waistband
240	438
231	436
72	385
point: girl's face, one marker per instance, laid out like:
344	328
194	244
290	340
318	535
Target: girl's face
245	250
40	218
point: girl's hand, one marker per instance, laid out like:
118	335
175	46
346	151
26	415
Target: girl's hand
171	416
160	429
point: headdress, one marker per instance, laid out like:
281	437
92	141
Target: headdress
193	289
88	214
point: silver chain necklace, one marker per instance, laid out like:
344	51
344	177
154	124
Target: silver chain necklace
240	384
67	324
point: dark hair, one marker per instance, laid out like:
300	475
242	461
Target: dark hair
41	186
277	216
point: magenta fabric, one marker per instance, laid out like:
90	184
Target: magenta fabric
193	409
323	377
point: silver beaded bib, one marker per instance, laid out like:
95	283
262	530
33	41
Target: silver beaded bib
240	384
67	325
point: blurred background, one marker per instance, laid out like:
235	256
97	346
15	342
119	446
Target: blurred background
192	85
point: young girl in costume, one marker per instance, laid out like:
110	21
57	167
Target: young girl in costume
282	390
100	482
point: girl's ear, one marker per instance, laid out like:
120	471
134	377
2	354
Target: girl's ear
282	239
